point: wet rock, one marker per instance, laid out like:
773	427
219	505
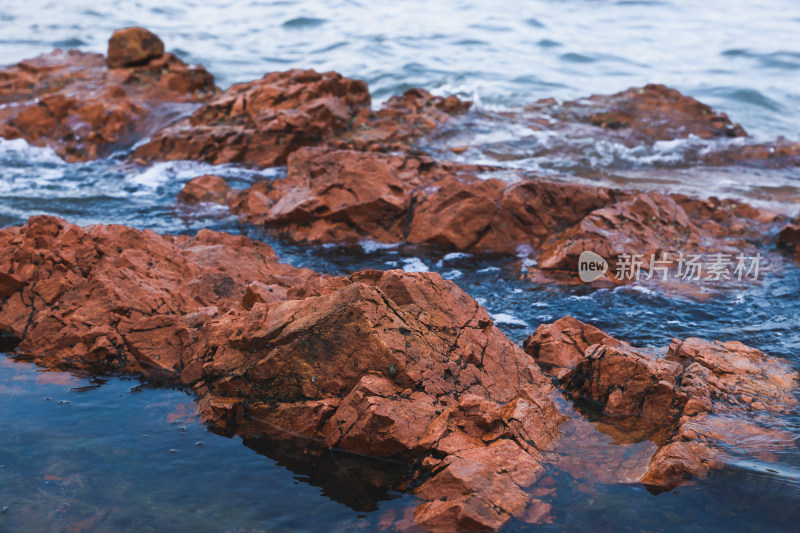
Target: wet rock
644	115
658	228
346	196
385	364
401	121
114	298
130	47
699	403
261	122
789	238
75	104
206	189
559	346
778	154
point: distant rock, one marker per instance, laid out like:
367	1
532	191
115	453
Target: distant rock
130	47
75	104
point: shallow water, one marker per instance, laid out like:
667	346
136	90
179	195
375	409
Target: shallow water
87	462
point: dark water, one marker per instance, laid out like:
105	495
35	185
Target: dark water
122	455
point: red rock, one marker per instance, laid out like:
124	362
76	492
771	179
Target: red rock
693	403
559	346
789	238
73	103
347	196
647	114
386	364
656	227
206	189
261	122
130	47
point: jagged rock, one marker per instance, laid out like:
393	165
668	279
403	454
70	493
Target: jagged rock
261	122
696	403
130	47
644	115
386	364
75	104
206	189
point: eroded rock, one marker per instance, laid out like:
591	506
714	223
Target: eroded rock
644	115
385	364
130	47
75	104
700	403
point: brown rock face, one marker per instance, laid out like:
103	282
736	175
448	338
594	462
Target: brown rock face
73	103
130	47
696	403
206	189
789	238
659	227
262	122
647	114
386	364
346	196
559	346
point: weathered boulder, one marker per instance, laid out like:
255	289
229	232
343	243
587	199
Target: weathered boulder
206	188
75	104
698	403
385	364
661	230
261	122
130	47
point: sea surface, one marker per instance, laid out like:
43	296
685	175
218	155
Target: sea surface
84	454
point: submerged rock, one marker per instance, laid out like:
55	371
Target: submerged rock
84	107
386	364
700	403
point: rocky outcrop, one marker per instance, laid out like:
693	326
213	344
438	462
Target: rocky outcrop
85	107
659	228
385	364
344	196
644	115
700	403
261	122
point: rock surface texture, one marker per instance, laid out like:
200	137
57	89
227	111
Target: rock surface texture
386	364
86	107
701	403
344	196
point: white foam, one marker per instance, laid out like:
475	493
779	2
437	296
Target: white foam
18	150
507	318
414	264
369	246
